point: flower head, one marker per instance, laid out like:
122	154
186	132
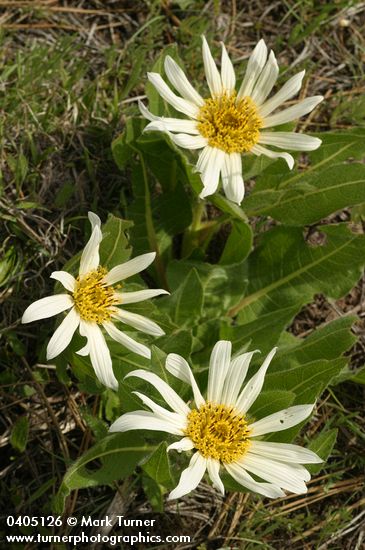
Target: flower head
94	303
231	122
220	429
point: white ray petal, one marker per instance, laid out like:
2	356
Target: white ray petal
84	351
255	65
253	387
211	170
169	395
218	367
99	354
227	72
281	420
286	476
94	220
139	295
63	335
287	91
232	179
213	472
123	271
285	452
243	478
179	80
165	124
180	104
90	255
260	150
163	414
66	279
235	377
202	159
266	81
292	113
190	477
139	322
47	307
126	341
178	367
290	140
189	142
143	420
173	125
211	72
185	444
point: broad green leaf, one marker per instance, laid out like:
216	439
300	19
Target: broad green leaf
179	341
313	197
158	477
307	382
271	401
359	376
327	342
322	444
119	454
261	333
187	301
145	236
157	466
222	285
284	269
238	245
114	248
154	492
331	181
19	434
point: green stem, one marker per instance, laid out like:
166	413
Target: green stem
151	234
191	240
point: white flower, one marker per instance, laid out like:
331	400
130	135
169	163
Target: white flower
231	122
92	301
219	429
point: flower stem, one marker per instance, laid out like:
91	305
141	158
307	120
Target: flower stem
191	235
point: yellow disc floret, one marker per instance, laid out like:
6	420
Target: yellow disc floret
93	298
218	432
230	124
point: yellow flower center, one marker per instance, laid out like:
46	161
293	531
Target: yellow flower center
230	124
218	432
93	299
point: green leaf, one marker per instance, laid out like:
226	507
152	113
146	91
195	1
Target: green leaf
284	270
238	245
327	342
114	246
222	285
261	333
271	401
19	434
359	376
329	183
306	381
157	466
313	197
187	301
119	455
322	445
